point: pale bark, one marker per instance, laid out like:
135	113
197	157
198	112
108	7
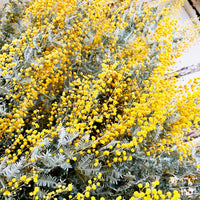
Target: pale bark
188	70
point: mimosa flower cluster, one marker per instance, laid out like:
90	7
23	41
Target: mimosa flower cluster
88	108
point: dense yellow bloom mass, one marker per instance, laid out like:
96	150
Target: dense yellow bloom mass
96	72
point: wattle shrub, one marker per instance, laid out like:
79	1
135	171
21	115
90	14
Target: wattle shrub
89	108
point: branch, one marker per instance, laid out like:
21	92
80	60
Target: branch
186	71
